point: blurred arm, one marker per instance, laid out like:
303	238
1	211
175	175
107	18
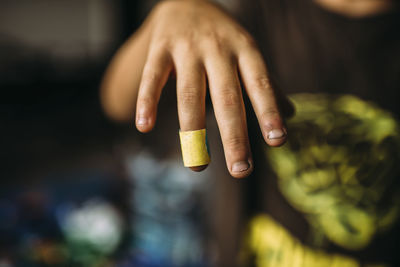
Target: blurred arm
357	8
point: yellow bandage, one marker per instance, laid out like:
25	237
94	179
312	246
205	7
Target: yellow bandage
194	148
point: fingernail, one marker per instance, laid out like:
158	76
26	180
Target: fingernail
141	121
276	134
240	166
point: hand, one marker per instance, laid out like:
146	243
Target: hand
200	43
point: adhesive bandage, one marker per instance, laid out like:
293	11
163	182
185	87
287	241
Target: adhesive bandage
194	148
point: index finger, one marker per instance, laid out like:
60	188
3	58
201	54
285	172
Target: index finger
262	96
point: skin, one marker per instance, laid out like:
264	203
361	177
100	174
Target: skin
200	43
357	8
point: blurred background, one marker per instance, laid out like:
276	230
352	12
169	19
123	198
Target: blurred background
52	57
70	184
77	189
53	54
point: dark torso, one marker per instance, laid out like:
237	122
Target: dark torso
309	49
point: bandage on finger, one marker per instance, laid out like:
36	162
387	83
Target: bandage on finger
194	148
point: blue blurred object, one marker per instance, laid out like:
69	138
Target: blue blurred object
168	228
80	218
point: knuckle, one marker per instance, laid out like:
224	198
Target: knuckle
209	34
185	47
237	144
230	99
145	102
189	95
270	113
214	43
261	83
184	43
161	43
150	77
247	40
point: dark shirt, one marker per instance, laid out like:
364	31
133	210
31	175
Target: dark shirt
310	49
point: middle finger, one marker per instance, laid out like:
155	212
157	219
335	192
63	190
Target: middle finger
227	100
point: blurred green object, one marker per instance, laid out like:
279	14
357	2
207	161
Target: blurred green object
340	167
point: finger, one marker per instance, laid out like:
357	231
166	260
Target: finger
119	87
155	74
230	114
262	96
191	94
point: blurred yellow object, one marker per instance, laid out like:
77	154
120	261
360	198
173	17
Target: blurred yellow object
270	245
340	167
194	148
